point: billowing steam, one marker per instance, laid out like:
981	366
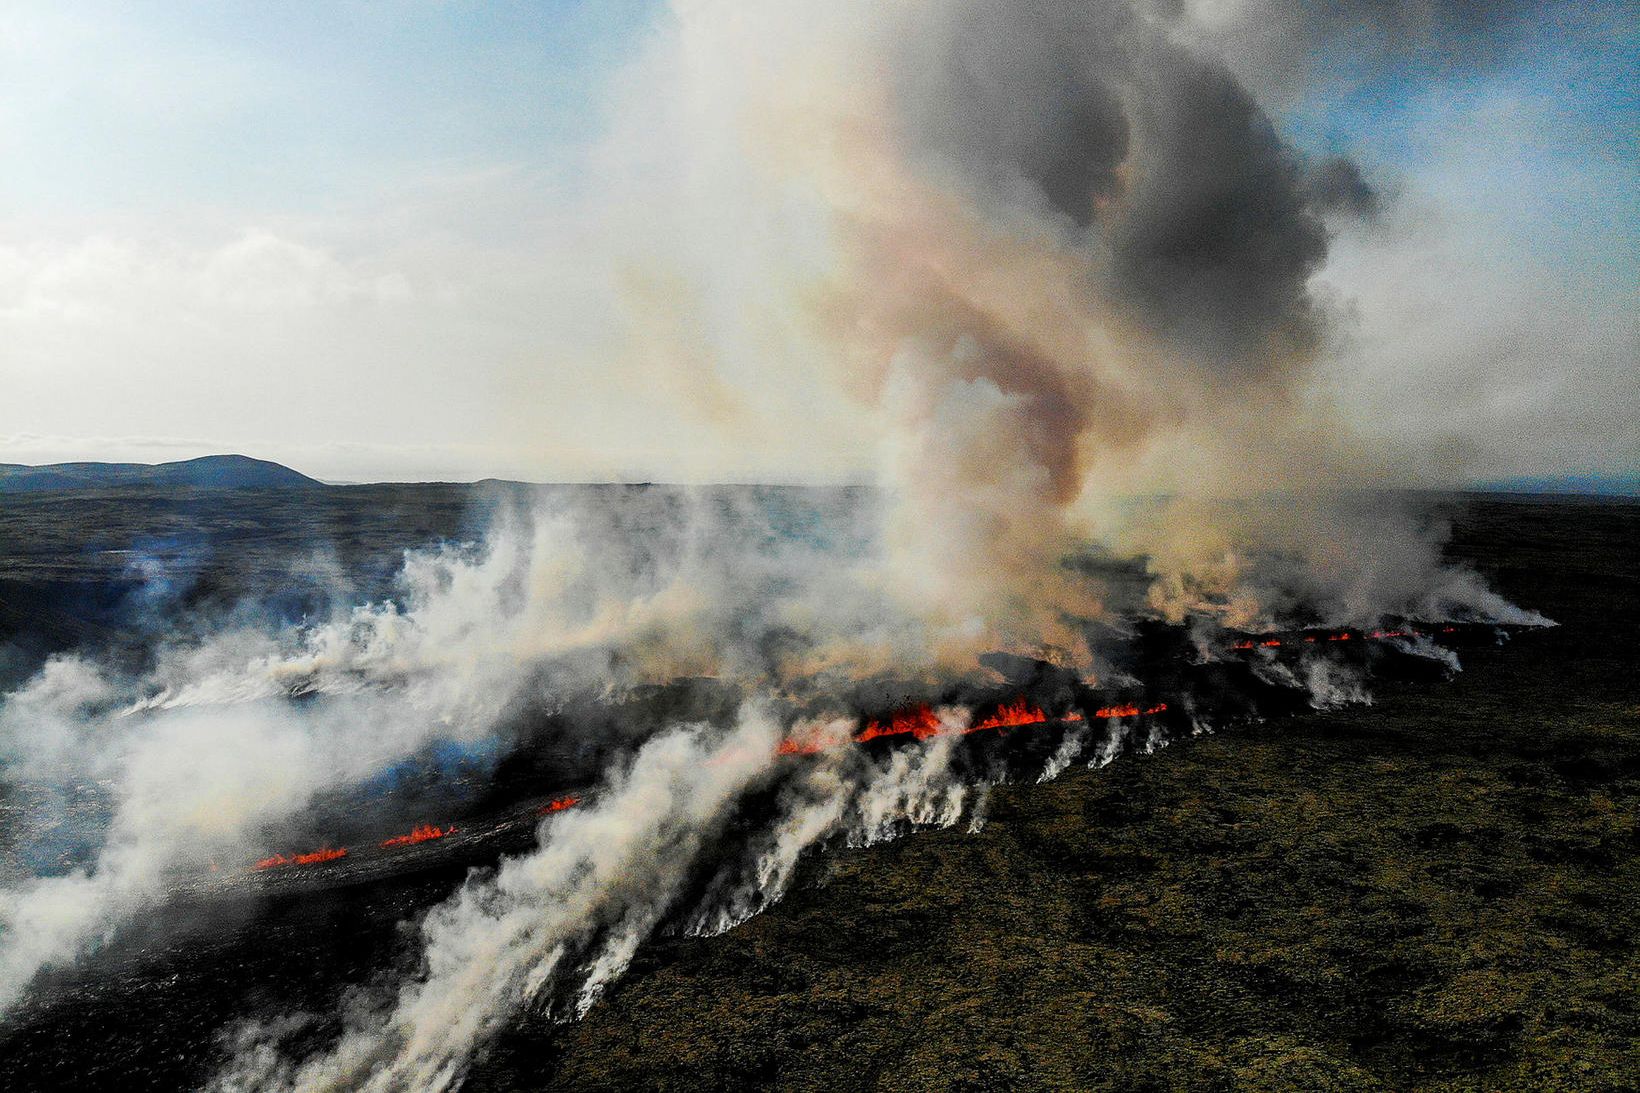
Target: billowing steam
1062	262
553	928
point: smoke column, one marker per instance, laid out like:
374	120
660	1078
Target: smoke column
1060	259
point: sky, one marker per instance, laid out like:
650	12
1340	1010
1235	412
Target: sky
372	241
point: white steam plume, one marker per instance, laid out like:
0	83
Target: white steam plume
206	755
569	916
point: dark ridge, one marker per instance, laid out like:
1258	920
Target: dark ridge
222	472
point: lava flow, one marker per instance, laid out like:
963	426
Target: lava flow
1012	714
557	805
1340	635
919	721
420	834
1019	713
1130	710
311	858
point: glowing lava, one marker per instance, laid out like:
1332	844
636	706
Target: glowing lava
792	746
1130	710
1339	635
313	857
809	740
420	834
1012	714
919	721
1342	635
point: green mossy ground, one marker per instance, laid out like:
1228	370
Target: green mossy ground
1440	891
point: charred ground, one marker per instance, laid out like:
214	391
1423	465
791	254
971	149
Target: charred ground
1435	891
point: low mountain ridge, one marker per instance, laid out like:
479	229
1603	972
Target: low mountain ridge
209	472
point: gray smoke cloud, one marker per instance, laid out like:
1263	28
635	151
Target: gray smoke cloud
1337	185
1280	49
1060	257
1190	213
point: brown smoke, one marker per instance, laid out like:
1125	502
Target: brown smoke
1064	259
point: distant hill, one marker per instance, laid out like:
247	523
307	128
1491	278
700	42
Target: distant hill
228	472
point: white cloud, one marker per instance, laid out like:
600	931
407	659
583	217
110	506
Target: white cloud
1495	314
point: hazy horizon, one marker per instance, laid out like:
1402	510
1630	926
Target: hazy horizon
1619	486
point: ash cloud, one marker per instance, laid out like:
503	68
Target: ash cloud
1337	185
1193	216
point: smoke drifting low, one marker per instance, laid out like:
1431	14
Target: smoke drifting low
553	928
1060	261
206	756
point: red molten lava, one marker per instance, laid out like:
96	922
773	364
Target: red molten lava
1010	715
1130	710
810	738
313	857
420	834
1340	635
919	721
557	805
